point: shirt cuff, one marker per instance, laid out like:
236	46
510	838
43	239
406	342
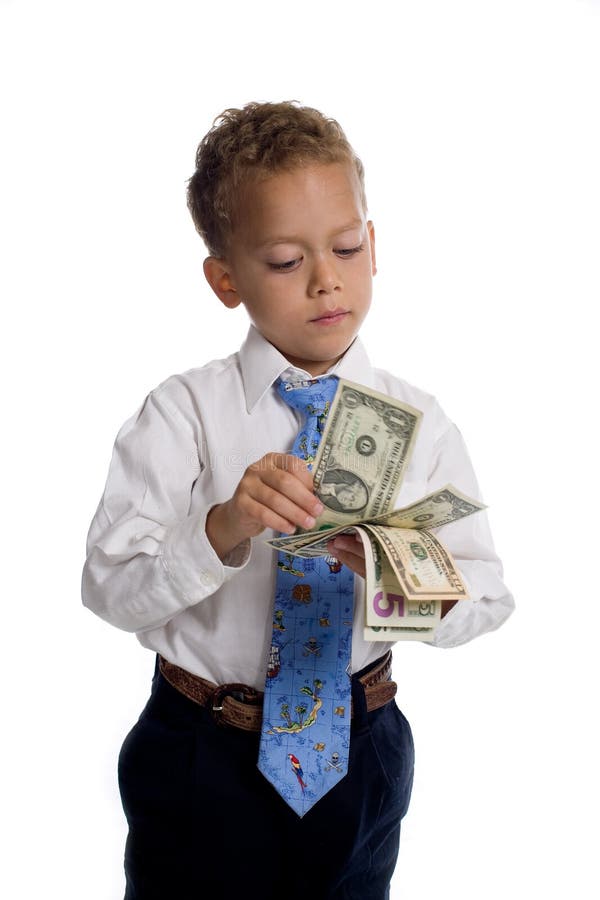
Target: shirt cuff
482	613
453	629
237	558
191	562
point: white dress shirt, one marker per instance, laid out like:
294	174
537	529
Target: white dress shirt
150	568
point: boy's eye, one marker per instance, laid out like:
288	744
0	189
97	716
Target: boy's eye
350	251
280	267
344	253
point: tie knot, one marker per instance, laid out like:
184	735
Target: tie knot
312	397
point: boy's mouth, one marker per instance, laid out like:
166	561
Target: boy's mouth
331	316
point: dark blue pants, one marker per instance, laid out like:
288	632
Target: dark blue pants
205	824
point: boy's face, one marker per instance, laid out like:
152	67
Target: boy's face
301	260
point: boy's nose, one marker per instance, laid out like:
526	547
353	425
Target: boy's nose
324	278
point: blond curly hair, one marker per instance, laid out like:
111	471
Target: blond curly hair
253	142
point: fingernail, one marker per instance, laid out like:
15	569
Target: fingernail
309	522
318	508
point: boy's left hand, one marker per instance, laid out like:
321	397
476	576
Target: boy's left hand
348	548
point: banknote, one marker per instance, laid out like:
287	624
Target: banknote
424	569
389	633
443	506
363	454
311	543
384	606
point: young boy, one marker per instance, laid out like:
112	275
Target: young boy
200	477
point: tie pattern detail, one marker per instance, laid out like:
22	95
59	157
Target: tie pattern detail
305	734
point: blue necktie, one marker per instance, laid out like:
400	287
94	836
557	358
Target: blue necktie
305	734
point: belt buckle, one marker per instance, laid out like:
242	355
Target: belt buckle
240	692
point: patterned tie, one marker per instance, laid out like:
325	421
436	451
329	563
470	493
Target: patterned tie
305	734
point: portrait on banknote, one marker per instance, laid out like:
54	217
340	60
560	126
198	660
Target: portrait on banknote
344	491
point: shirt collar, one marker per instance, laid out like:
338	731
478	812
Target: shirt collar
261	365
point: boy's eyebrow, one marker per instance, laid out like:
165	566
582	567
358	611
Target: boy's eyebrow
295	239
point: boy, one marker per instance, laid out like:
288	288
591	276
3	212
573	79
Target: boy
200	476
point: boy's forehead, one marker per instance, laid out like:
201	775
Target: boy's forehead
285	237
272	208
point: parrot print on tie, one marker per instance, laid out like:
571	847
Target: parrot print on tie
297	768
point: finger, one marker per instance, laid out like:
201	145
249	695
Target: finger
352	560
286	483
267	517
293	464
349	542
282	505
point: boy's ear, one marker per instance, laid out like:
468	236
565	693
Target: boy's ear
216	272
371	230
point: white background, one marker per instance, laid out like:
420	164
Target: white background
479	126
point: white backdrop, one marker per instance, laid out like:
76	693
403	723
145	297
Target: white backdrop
478	123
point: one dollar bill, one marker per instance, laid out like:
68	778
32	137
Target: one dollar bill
443	506
424	569
363	454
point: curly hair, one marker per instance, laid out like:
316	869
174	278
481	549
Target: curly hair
256	141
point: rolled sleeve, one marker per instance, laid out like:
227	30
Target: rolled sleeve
148	556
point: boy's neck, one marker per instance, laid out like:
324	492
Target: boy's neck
314	369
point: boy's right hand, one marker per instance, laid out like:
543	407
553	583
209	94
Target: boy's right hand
274	492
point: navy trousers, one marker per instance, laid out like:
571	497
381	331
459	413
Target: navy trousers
205	824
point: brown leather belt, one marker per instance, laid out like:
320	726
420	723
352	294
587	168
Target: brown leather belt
241	706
